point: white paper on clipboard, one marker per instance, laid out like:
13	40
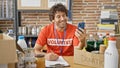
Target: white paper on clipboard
59	61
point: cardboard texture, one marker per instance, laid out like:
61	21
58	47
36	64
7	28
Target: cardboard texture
7	49
118	42
11	65
90	59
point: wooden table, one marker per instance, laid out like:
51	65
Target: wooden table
70	60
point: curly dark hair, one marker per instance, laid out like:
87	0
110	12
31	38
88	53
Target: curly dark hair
57	7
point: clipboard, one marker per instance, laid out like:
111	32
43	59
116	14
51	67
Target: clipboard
60	62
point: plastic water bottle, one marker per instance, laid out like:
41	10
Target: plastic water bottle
111	55
90	43
99	41
21	42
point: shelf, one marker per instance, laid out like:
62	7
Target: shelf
41	11
6	19
30	35
107	19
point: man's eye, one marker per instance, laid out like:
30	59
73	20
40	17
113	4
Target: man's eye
64	16
58	16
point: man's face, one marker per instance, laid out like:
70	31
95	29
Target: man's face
60	19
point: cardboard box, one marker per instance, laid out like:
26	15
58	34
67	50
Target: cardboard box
7	49
118	42
10	65
90	59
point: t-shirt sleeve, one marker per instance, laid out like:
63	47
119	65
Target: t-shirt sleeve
75	41
42	39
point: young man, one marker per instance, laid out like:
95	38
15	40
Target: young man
59	36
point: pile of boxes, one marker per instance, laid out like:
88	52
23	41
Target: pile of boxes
108	20
8	56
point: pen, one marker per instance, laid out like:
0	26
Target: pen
61	51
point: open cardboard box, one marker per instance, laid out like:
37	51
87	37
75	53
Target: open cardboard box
7	50
90	59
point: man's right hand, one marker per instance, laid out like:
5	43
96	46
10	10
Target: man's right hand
51	56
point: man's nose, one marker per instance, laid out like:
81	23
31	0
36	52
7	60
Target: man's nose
62	18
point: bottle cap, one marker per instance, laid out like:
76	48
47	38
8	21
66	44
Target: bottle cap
21	37
90	35
107	33
112	38
100	36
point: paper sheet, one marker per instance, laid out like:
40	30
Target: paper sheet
105	14
59	61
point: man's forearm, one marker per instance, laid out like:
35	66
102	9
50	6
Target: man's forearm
37	49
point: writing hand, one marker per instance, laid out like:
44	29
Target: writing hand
51	56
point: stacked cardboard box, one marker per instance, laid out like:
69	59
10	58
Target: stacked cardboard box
8	56
108	20
105	28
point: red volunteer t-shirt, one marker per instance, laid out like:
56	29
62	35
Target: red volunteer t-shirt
59	45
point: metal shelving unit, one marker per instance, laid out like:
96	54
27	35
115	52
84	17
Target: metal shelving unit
19	11
6	9
18	18
41	11
8	12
